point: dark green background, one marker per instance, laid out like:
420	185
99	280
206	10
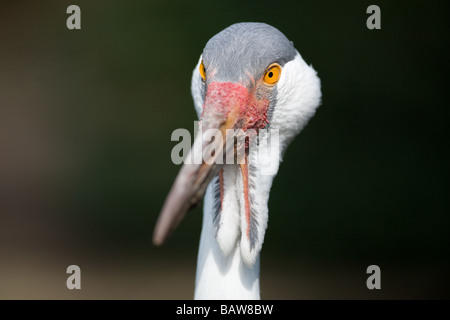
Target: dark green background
85	124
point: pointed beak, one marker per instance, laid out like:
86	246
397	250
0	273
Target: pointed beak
222	110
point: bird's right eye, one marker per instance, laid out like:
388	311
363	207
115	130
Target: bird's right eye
202	71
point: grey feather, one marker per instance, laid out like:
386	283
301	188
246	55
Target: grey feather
243	48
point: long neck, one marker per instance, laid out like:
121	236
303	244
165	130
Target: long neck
219	276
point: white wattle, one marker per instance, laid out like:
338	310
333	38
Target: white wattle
222	276
230	220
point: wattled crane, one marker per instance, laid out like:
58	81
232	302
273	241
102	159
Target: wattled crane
249	77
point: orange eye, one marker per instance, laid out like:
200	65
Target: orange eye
272	74
202	70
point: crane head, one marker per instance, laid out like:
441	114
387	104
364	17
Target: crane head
249	79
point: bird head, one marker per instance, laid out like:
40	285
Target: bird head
250	79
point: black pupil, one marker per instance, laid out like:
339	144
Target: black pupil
270	74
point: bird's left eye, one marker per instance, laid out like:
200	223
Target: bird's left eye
272	74
202	70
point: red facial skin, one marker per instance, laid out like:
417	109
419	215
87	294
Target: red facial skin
222	98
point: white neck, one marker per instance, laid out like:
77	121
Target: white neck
219	276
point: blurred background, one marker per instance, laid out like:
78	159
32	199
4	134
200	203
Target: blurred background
85	123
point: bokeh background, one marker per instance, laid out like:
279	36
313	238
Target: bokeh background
85	124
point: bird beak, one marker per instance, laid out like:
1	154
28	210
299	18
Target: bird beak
221	111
